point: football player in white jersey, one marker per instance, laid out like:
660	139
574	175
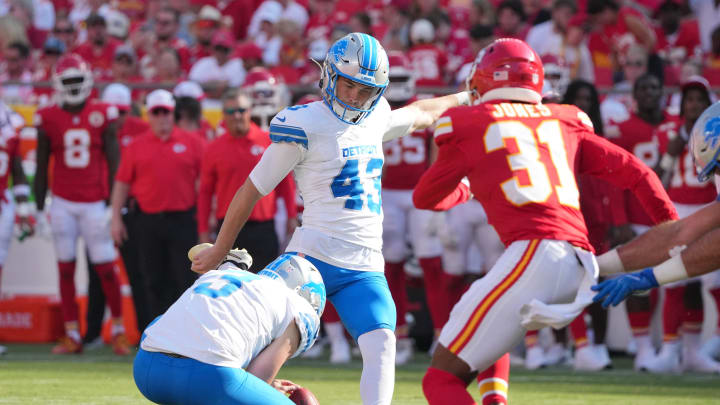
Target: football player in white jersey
225	339
335	148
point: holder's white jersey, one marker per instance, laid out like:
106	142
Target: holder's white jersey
338	176
228	316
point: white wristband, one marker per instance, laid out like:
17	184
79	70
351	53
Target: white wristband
21	190
670	270
463	98
610	263
24	209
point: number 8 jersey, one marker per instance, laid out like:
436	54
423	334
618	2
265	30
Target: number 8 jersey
521	161
76	145
338	175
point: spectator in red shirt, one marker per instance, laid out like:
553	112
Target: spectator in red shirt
205	27
15	67
65	31
99	49
166	24
162	168
511	20
52	50
676	40
226	165
428	60
711	69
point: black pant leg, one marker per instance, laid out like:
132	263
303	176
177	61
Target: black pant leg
131	260
152	248
182	228
96	305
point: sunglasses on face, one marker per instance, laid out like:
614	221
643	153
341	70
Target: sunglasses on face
222	49
232	111
160	111
64	31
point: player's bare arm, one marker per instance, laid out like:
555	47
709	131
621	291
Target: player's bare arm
111	148
40	183
237	214
267	364
118	198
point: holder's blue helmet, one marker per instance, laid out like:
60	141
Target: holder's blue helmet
300	276
358	57
705	142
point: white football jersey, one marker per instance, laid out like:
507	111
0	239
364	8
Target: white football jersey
338	177
228	316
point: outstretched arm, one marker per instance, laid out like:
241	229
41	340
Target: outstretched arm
422	114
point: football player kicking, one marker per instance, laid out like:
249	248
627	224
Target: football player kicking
80	136
335	149
678	249
224	340
520	158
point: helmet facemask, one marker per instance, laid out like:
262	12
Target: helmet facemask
73	87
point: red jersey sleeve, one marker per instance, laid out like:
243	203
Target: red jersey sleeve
440	187
208	180
600	158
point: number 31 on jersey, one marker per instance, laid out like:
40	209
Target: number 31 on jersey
528	159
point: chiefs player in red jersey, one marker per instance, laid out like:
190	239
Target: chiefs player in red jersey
406	159
644	134
80	136
520	158
683	304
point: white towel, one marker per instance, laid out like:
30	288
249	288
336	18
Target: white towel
537	314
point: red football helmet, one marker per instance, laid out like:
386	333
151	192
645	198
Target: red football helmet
267	93
72	79
507	69
402	80
557	74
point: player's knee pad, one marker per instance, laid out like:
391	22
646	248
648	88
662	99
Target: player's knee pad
377	345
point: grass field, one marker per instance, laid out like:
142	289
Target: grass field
29	374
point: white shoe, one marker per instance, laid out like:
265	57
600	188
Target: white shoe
3	349
695	360
711	348
403	351
667	361
340	352
96	343
316	351
534	358
643	358
603	353
556	354
588	358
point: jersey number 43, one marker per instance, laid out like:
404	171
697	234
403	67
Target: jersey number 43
352	182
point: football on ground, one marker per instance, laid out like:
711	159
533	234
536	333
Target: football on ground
303	396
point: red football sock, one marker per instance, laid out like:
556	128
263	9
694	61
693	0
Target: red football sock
330	314
395	275
673	309
579	331
0	277
435	293
493	382
110	286
441	388
531	338
692	320
716	295
67	291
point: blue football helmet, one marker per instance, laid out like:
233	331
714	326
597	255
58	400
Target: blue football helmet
360	58
705	142
300	276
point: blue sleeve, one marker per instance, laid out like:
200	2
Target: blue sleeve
284	129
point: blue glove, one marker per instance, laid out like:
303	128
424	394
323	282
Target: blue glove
615	290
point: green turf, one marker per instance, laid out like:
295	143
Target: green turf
30	375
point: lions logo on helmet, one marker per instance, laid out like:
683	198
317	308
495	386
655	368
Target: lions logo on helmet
360	58
300	276
705	142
